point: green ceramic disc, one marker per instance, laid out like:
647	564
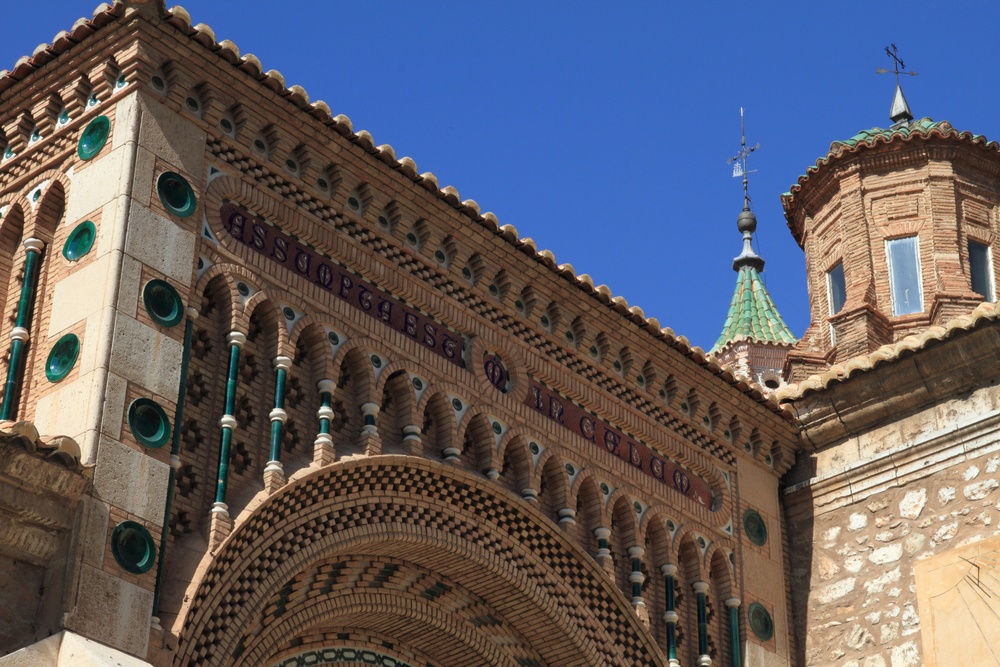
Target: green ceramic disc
62	357
80	241
133	547
93	137
148	422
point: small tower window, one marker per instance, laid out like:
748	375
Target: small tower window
836	292
836	288
981	270
904	275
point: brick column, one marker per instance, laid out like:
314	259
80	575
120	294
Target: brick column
411	439
603	551
567	518
370	439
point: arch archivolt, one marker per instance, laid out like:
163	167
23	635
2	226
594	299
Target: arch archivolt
448	526
400	604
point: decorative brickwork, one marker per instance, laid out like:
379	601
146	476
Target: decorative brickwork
456	545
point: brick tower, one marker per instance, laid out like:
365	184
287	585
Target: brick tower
896	228
754	338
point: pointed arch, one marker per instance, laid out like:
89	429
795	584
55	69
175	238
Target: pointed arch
396	408
515	475
439	428
589	513
552	482
478	442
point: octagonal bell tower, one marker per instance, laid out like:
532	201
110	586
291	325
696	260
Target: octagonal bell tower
899	228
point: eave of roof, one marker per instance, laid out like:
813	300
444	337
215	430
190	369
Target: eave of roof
923	129
180	19
983	315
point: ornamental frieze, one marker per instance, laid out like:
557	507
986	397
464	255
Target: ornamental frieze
615	442
265	239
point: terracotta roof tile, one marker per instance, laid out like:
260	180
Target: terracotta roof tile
61	449
983	315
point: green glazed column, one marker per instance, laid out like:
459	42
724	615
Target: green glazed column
636	578
701	595
734	629
175	459
22	323
278	415
236	341
323	450
670	615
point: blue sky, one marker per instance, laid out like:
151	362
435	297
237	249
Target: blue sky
603	132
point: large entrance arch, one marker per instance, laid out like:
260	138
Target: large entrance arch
415	562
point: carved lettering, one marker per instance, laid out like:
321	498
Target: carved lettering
313	265
345	286
258	237
280	250
235	226
365	299
450	347
535	393
556	409
324	276
633	455
617	443
385	310
611	441
410	325
302	260
430	333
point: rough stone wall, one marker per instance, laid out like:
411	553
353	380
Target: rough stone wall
852	563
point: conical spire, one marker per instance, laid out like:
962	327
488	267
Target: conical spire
900	109
752	314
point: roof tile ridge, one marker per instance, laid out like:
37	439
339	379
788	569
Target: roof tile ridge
984	313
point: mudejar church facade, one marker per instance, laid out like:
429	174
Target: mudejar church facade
276	397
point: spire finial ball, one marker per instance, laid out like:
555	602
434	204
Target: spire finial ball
747	222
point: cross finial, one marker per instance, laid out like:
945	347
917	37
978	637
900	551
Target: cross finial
900	110
739	161
897	61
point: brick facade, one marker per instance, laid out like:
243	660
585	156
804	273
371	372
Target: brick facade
417	469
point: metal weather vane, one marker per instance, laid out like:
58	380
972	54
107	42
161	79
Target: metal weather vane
739	161
897	63
900	110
